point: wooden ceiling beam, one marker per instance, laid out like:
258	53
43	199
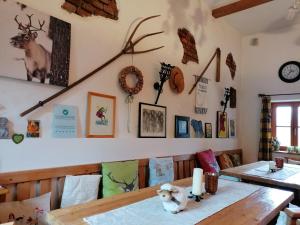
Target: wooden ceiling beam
237	7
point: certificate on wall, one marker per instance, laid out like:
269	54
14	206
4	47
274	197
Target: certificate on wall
64	121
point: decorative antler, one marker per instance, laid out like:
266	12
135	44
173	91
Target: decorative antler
128	49
26	29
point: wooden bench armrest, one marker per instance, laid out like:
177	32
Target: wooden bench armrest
293	212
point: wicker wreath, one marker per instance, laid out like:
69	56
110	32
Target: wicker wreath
122	80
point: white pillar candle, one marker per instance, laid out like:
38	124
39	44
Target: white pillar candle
272	165
197	181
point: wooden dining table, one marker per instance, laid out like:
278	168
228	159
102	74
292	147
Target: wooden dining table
286	181
259	208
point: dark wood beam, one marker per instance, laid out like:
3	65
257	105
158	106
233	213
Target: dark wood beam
237	7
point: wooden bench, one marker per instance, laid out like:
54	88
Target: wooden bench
32	183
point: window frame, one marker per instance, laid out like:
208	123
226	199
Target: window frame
294	121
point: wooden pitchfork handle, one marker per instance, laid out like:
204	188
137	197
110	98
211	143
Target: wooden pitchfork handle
128	49
218	54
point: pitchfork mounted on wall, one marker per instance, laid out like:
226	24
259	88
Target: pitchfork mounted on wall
128	49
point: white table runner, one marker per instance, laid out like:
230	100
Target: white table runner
150	211
282	174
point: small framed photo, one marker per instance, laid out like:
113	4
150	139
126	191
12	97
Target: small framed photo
101	113
222	126
232	130
33	128
152	121
208	130
182	127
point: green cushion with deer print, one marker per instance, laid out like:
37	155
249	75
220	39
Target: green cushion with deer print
119	177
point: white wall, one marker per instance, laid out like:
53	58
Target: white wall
260	65
95	40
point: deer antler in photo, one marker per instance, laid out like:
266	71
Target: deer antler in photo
29	28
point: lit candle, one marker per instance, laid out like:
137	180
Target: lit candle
197	181
272	165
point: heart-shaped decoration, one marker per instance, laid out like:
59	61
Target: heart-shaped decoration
18	138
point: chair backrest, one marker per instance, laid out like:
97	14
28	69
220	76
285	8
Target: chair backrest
32	183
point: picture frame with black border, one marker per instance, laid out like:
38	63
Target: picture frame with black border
182	126
152	121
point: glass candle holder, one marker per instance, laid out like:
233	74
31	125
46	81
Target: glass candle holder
211	183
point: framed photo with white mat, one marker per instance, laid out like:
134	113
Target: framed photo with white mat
101	113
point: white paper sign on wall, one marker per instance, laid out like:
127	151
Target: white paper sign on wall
64	121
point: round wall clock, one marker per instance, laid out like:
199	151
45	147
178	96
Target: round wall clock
290	71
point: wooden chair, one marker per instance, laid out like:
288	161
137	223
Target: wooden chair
293	216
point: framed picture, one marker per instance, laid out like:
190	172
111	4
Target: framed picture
198	128
152	121
36	45
232	131
182	127
208	130
101	114
33	128
222	127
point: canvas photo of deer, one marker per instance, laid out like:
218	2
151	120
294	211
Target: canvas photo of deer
34	46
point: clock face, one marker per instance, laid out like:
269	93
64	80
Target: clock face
290	72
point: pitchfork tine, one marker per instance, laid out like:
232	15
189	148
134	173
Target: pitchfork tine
144	51
137	26
146	35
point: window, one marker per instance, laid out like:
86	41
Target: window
285	123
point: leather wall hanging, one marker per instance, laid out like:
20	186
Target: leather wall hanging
189	46
231	64
105	8
176	80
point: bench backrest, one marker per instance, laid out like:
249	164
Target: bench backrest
32	183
